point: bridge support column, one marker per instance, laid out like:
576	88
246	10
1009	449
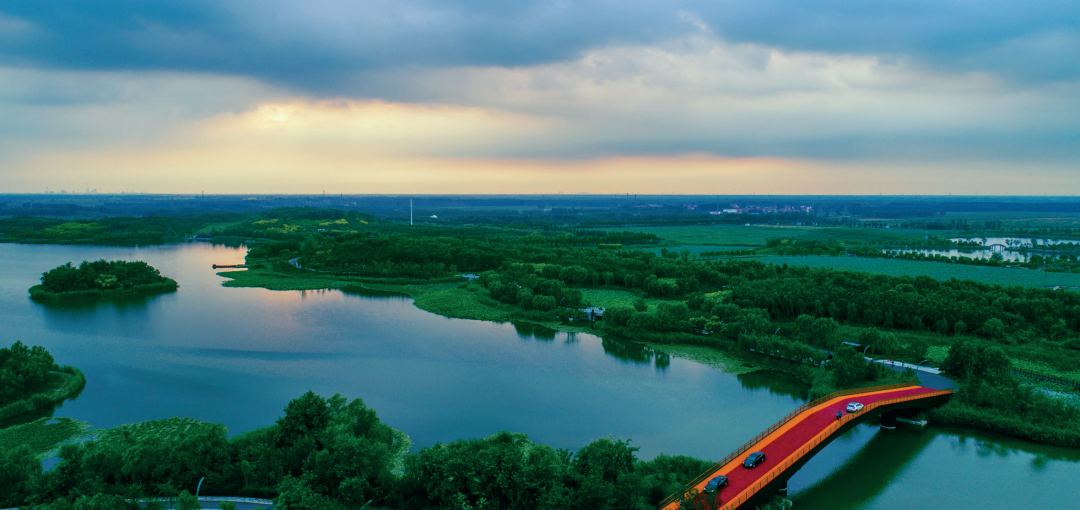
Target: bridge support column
888	420
782	491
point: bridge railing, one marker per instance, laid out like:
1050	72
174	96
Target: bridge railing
1044	377
818	439
803	408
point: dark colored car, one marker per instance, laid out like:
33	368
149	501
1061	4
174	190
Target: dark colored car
716	484
753	460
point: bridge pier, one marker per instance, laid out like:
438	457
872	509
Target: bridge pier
888	420
782	491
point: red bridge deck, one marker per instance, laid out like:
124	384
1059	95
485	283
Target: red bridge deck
794	437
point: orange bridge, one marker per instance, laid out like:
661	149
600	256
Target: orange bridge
792	441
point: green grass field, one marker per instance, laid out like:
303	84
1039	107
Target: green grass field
609	298
938	270
756	235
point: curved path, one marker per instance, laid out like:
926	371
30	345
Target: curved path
800	435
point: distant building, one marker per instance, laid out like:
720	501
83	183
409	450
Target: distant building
594	312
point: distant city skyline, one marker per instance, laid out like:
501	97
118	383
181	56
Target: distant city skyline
428	97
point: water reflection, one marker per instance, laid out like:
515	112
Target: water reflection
661	360
118	303
939	467
989	444
126	315
776	382
45	412
1016	242
631	352
375	293
526	330
1008	255
866	475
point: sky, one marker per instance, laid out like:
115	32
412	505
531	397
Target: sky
593	96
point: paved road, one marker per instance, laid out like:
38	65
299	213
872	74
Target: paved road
928	377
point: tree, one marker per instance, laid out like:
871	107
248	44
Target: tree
187	501
968	359
303	416
822	330
295	494
959	328
994	328
19	469
848	367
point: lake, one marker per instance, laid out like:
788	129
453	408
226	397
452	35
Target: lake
237	356
1018	242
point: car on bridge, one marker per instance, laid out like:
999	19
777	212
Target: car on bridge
854	407
716	484
753	460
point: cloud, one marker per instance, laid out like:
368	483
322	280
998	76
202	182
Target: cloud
319	46
374	128
702	94
71	109
694	94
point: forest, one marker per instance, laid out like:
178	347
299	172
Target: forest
952	307
101	277
330	453
24	371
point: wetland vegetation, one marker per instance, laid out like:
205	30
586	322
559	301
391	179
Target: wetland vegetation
748	308
789	297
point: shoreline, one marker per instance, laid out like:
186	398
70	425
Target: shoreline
73	385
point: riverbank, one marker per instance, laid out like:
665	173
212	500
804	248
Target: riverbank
449	297
74	382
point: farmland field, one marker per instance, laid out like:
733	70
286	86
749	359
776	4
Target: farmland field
755	235
938	270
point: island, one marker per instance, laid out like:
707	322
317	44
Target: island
101	279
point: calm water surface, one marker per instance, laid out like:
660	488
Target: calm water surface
236	356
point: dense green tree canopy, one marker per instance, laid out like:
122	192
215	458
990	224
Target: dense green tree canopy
101	275
23	371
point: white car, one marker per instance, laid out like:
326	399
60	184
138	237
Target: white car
854	407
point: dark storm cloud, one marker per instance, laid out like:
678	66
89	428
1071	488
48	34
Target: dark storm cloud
318	45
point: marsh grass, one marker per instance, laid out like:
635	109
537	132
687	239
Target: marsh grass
1046	369
44	435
